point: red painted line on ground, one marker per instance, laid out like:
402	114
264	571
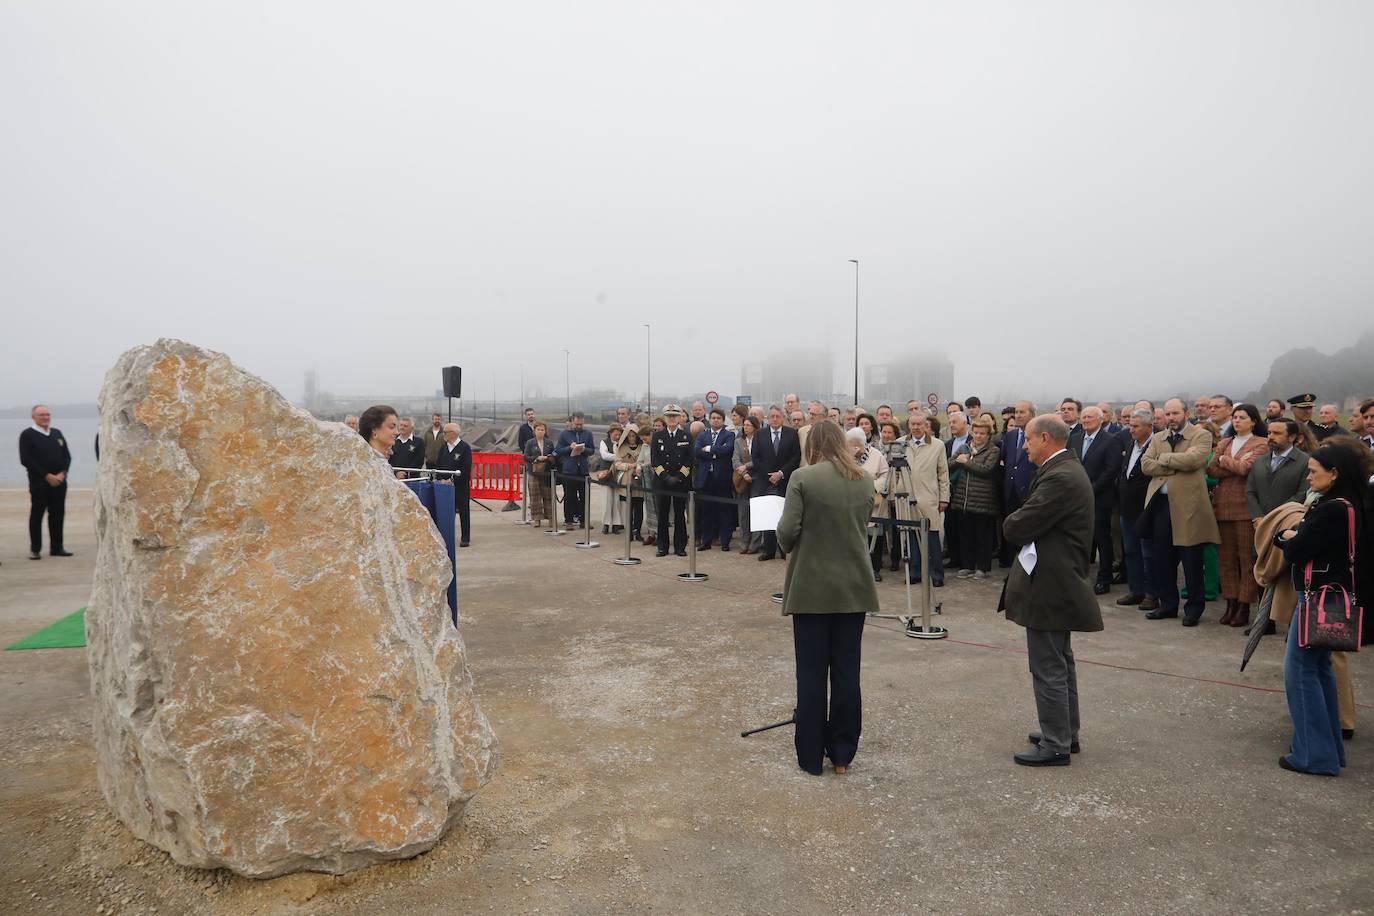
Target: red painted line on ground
1010	649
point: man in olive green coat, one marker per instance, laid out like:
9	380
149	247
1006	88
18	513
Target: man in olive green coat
1052	598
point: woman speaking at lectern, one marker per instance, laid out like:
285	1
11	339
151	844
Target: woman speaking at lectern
828	590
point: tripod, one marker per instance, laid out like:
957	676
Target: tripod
910	518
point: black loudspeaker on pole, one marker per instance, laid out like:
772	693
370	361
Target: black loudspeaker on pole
453	381
453	386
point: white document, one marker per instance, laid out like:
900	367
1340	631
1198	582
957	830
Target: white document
765	512
1027	558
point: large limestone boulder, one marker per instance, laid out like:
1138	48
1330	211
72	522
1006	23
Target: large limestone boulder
278	682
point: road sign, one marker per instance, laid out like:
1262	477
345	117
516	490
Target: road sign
933	399
712	397
746	399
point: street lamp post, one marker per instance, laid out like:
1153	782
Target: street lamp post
567	382
649	369
856	328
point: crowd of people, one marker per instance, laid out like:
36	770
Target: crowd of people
1173	487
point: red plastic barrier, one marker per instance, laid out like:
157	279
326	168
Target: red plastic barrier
498	475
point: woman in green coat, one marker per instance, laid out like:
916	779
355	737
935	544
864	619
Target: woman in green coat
828	590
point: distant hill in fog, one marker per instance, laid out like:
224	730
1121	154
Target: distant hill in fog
1332	377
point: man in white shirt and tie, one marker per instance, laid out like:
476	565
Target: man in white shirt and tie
1100	453
777	453
1367	415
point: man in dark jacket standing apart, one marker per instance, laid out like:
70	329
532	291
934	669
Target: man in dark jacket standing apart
1052	598
43	452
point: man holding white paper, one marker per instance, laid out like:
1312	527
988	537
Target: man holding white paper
1047	591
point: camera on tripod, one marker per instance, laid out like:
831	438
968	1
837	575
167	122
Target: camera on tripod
896	455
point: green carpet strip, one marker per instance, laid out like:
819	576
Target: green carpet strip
67	633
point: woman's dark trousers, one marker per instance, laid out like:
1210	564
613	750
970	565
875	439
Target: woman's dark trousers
977	538
828	651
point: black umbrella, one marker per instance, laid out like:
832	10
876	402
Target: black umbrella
1259	623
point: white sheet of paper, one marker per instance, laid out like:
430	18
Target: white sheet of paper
765	512
1027	558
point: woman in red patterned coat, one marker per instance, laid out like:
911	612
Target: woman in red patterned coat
1230	465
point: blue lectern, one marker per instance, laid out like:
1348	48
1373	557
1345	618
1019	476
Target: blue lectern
438	499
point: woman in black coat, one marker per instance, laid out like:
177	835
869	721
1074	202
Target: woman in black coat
1322	539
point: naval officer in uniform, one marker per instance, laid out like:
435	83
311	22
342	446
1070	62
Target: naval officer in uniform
671	460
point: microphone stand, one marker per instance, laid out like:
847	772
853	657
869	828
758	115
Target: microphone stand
764	728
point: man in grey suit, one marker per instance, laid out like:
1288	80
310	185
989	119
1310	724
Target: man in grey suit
1279	477
1052	598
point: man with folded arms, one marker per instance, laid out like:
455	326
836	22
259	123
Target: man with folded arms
1178	511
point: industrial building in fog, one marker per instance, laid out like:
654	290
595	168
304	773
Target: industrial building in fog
810	374
916	375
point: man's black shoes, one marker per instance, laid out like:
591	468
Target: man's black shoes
35	555
1041	758
1101	588
1161	614
1035	738
661	552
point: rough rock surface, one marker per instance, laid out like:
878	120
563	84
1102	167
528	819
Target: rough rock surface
277	681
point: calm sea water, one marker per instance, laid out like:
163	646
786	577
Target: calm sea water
80	435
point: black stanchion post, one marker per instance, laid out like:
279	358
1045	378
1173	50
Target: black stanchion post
691	575
587	543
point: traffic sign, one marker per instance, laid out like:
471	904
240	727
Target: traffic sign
712	397
746	399
933	399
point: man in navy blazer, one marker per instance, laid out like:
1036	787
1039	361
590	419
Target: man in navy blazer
714	448
1100	453
456	455
777	453
1017	471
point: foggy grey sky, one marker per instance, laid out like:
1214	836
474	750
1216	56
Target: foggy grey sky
377	190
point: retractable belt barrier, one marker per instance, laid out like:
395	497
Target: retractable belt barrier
636	490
